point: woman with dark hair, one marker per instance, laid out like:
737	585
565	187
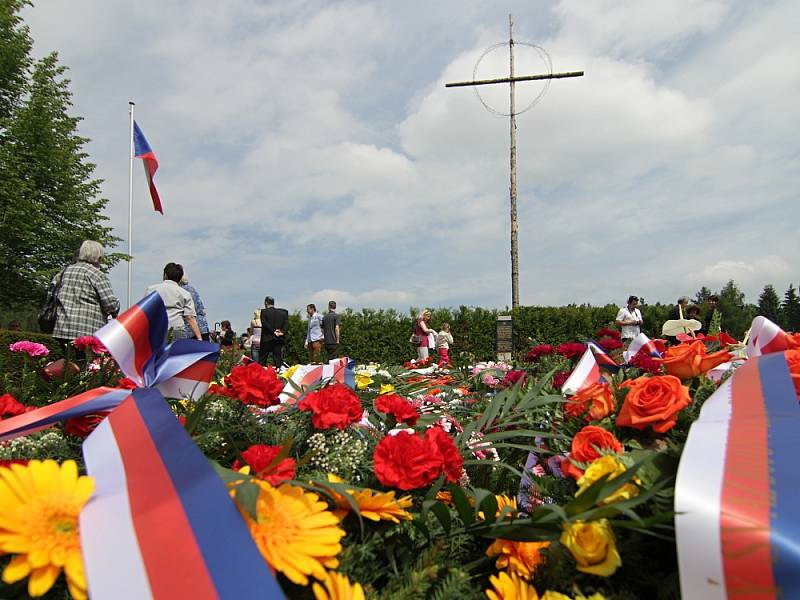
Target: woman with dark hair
227	335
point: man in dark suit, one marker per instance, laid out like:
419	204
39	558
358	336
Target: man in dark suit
274	327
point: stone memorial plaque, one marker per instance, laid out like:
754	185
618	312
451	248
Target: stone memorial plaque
505	337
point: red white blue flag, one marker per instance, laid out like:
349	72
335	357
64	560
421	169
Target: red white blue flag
143	150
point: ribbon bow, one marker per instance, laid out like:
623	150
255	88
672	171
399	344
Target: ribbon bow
161	523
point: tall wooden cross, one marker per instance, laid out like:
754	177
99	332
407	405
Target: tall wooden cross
511	80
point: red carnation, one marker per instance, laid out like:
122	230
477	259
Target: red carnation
560	378
452	463
83	426
405	461
607	332
333	406
400	408
254	384
513	377
10	406
609	343
645	362
536	352
571	349
90	342
261	459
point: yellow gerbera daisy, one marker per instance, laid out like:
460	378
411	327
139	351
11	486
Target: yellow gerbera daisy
503	501
521	558
337	587
295	532
376	506
39	523
510	587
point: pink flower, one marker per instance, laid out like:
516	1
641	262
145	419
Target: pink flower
490	379
91	342
30	348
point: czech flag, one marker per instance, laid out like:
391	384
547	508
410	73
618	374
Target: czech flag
143	150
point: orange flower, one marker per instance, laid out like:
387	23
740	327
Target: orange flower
597	398
690	360
793	359
653	401
588	442
793	341
521	558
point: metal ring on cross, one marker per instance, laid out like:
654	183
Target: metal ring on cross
548	65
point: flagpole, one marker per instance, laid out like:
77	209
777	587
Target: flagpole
130	199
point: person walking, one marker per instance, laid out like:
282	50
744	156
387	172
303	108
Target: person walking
181	313
274	327
83	294
331	330
199	307
314	334
629	319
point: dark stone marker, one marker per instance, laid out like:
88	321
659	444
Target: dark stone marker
505	338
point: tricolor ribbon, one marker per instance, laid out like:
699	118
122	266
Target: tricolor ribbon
737	495
161	523
340	370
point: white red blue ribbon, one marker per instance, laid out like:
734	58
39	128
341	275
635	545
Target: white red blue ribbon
586	373
737	493
641	343
161	523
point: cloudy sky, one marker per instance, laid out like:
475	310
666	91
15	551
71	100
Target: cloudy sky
309	150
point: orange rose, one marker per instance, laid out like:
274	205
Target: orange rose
690	360
597	398
793	359
653	401
588	440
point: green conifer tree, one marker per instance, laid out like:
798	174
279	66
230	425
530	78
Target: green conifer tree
791	310
769	304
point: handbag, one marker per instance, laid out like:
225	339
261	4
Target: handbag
415	339
48	314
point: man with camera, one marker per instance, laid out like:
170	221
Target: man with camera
629	319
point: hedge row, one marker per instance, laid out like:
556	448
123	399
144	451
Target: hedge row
382	335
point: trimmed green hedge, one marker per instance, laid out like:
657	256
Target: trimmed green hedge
382	335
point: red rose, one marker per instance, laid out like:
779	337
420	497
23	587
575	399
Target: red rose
333	406
452	463
609	343
254	384
10	406
83	426
404	461
262	463
588	440
400	408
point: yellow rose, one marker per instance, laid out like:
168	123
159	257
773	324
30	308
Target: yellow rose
593	547
612	465
386	388
363	379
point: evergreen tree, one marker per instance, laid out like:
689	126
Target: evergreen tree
736	313
769	304
702	296
791	310
49	202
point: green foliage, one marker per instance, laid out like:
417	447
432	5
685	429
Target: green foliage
736	313
49	202
769	305
791	310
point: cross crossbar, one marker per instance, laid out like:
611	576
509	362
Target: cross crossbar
515	79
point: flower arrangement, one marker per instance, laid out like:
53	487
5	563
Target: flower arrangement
419	484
